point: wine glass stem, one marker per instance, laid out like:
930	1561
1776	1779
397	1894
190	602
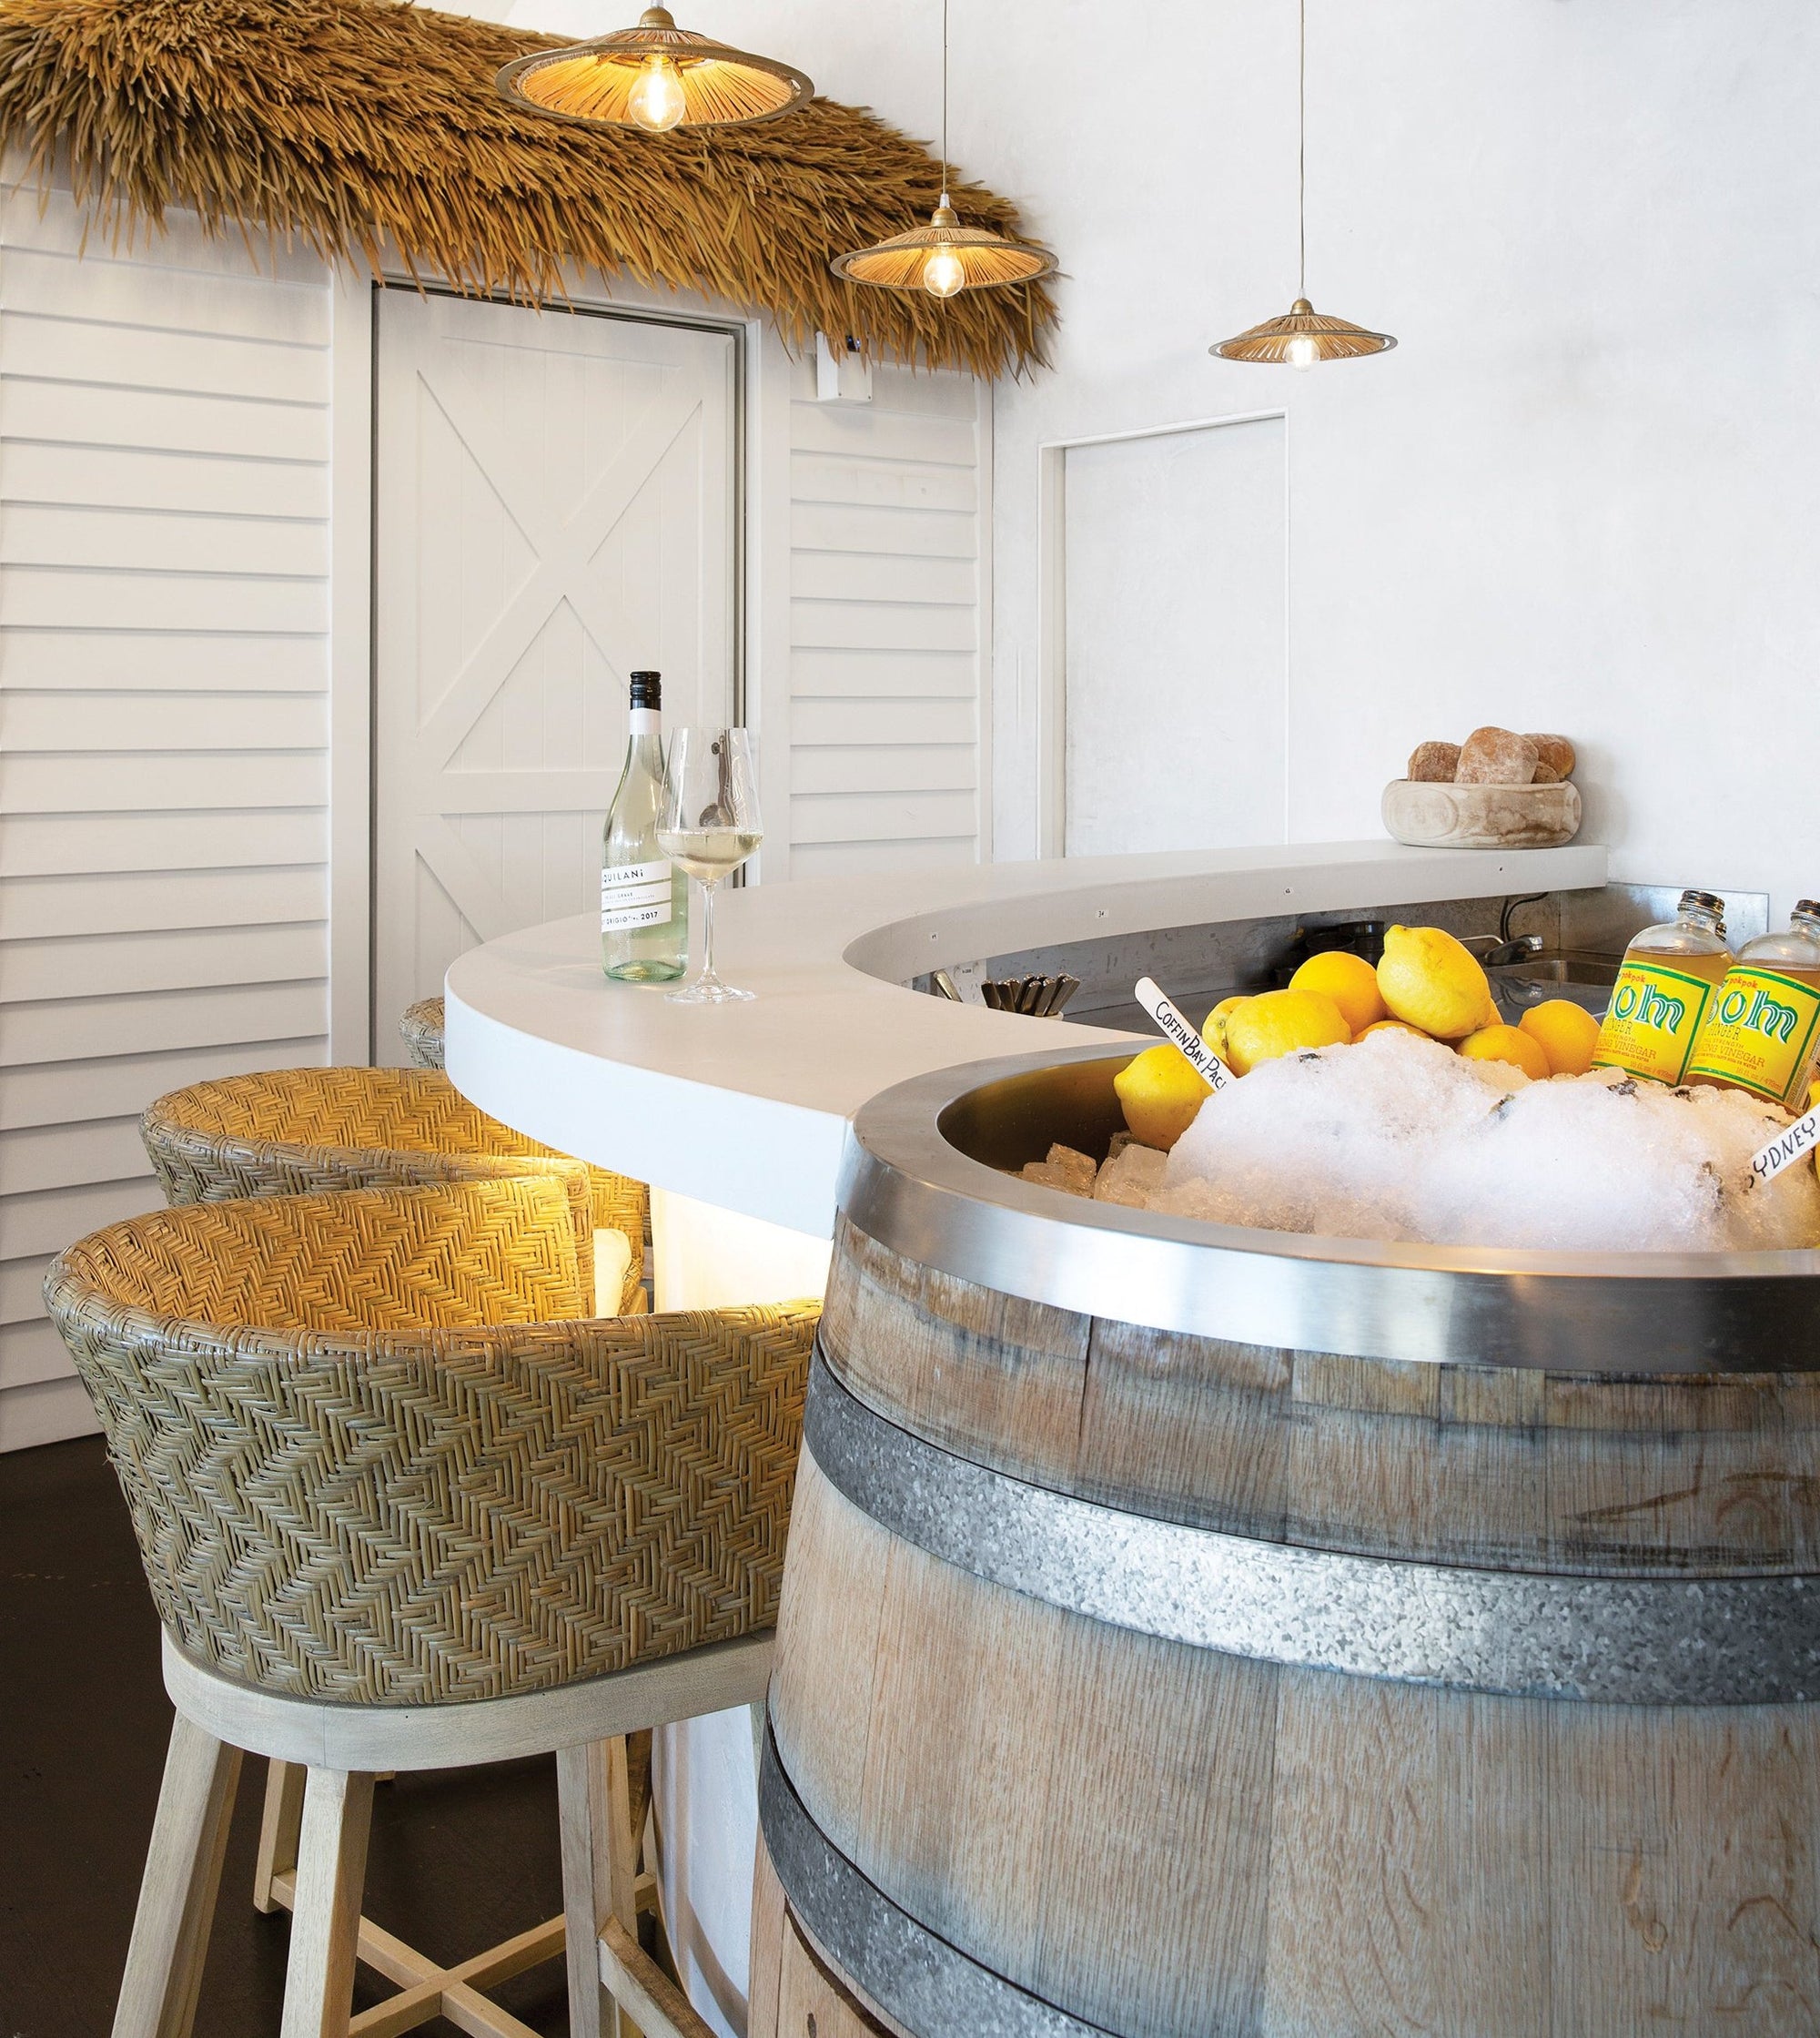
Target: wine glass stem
709	886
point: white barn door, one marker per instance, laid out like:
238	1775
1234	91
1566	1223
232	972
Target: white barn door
555	507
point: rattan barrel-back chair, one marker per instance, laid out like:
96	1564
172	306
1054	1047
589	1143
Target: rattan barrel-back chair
286	1131
401	1506
421	1027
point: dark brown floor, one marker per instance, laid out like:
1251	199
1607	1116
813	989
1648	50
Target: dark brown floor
458	1861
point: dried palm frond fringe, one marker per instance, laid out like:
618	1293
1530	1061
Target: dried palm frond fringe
369	127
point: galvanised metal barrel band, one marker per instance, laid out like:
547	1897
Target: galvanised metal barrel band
1610	1641
911	1972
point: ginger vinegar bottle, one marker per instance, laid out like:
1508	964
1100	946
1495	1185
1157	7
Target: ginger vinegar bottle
1761	1031
1669	975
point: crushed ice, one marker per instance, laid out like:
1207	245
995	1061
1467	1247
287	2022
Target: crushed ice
1398	1137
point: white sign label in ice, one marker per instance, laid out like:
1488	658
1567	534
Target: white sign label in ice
1174	1028
635	895
1787	1147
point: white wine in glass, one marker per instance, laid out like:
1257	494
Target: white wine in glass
708	827
709	854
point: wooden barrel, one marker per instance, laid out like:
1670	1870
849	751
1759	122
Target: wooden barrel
1137	1681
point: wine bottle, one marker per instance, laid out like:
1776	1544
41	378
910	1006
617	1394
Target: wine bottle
645	898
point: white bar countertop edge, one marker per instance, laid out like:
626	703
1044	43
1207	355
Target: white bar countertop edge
745	1106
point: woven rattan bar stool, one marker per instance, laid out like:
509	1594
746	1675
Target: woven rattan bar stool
283	1131
421	1028
400	1508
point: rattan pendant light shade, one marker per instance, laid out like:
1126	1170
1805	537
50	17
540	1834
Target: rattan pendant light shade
656	76
977	258
944	258
1302	335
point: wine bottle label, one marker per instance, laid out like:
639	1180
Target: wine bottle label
1650	1025
1761	1032
635	895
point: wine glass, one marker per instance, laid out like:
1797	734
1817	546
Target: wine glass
709	824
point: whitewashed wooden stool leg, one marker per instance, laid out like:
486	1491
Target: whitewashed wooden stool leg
176	1898
615	1988
582	1779
332	1869
620	1838
278	1828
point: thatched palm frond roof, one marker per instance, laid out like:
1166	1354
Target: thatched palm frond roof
369	127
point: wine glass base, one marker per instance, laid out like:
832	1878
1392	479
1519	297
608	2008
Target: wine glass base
709	990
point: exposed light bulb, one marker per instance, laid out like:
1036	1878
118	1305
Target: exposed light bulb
944	273
656	100
1302	352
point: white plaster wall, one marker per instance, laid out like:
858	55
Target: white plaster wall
1582	492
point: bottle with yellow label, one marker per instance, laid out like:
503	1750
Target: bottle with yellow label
1668	979
1762	1030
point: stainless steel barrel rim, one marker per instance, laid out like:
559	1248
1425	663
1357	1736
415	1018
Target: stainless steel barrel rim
910	1181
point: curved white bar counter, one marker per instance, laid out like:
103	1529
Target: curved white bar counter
741	1109
744	1106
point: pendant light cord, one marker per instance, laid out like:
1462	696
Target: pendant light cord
945	102
1302	134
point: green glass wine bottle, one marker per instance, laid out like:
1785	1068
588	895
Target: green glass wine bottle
645	898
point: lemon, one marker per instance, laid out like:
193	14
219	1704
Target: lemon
1394	1026
1213	1029
1280	1022
1568	1034
1431	981
1508	1043
1160	1093
1349	981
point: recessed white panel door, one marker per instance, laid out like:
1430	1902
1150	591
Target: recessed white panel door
1176	635
555	508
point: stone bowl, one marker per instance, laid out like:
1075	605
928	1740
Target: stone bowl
1444	816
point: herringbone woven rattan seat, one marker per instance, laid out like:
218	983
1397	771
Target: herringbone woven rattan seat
366	1458
287	1131
421	1027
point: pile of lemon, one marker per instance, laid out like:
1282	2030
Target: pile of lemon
1427	983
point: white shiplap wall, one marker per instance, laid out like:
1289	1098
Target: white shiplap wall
887	620
164	502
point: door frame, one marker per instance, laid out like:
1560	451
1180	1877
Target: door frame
759	626
1052	609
